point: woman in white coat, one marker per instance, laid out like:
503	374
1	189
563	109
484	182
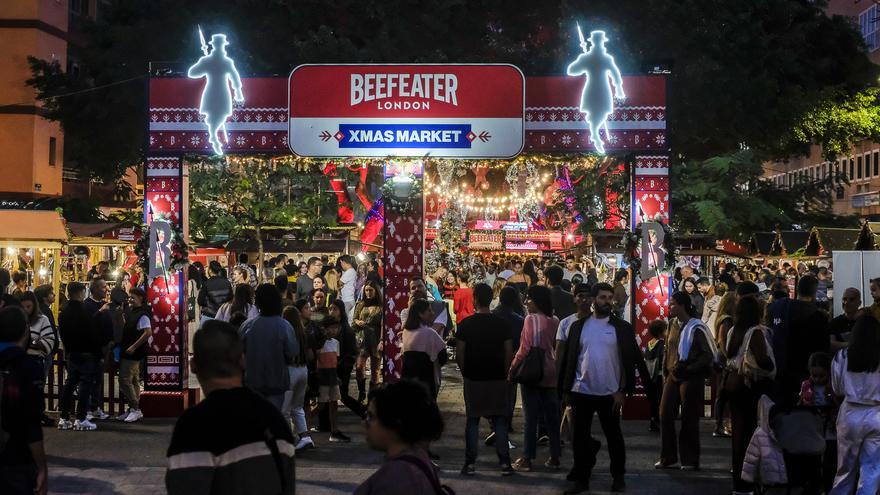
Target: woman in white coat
855	375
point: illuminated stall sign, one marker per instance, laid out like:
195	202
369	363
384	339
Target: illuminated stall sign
467	111
485	241
216	102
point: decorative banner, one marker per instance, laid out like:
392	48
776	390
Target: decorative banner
485	241
470	111
555	122
165	292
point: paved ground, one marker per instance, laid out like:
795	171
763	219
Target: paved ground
130	459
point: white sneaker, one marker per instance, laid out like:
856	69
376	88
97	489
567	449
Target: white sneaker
99	414
124	415
304	443
135	415
84	425
65	424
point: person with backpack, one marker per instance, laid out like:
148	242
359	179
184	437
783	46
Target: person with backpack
401	418
689	356
23	468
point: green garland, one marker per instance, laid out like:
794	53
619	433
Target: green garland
405	205
179	247
630	244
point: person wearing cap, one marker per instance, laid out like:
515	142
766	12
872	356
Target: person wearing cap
132	352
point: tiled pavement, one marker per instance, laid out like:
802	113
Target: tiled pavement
130	459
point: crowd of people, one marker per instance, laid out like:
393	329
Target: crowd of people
797	392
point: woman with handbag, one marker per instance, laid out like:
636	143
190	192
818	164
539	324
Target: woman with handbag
534	367
750	371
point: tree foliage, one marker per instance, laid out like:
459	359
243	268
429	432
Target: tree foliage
243	198
728	196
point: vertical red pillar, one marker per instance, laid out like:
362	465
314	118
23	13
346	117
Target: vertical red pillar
650	201
165	194
403	256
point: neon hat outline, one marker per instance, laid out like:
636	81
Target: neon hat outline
218	40
597	37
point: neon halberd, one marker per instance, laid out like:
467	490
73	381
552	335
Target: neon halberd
404	136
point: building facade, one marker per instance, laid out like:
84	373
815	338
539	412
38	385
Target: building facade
32	160
861	165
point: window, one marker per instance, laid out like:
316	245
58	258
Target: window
867	165
868	26
52	144
824	170
836	168
839	192
876	163
859	166
852	172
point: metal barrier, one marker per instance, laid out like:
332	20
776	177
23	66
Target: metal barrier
111	402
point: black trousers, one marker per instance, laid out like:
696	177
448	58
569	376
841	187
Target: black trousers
343	373
582	409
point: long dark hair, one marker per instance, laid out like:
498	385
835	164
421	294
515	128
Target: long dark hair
243	296
747	315
529	269
343	323
509	298
542	298
29	296
292	315
376	300
413	319
683	299
863	353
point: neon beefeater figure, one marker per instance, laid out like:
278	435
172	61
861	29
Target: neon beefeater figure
216	105
596	100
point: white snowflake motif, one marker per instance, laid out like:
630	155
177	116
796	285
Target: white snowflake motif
553	116
660	139
529	117
612	138
152	140
240	140
195	140
566	139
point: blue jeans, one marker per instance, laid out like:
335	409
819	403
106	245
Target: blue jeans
82	376
538	401
472	439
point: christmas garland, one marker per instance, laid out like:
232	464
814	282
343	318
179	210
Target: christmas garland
402	205
179	247
631	241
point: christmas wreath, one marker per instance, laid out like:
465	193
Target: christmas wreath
392	187
632	240
179	247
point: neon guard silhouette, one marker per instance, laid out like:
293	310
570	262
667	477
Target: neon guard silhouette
219	70
596	100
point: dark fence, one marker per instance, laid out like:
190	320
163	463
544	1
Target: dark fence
112	404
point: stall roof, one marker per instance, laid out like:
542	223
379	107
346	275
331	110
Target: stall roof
788	242
825	240
287	246
761	242
31	228
90	229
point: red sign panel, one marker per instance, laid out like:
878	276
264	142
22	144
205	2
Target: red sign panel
468	111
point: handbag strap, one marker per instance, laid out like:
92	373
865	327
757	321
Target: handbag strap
536	341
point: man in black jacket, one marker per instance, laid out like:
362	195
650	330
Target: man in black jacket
596	370
563	301
22	456
216	291
83	349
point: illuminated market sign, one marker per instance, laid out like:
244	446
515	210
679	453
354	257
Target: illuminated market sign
465	111
485	241
600	71
216	103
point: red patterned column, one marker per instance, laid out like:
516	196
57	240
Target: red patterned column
404	246
166	368
650	202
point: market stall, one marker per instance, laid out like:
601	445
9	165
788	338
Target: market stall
92	243
31	242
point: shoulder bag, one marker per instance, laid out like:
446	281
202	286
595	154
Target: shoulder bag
530	371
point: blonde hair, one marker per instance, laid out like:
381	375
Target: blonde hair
331	279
